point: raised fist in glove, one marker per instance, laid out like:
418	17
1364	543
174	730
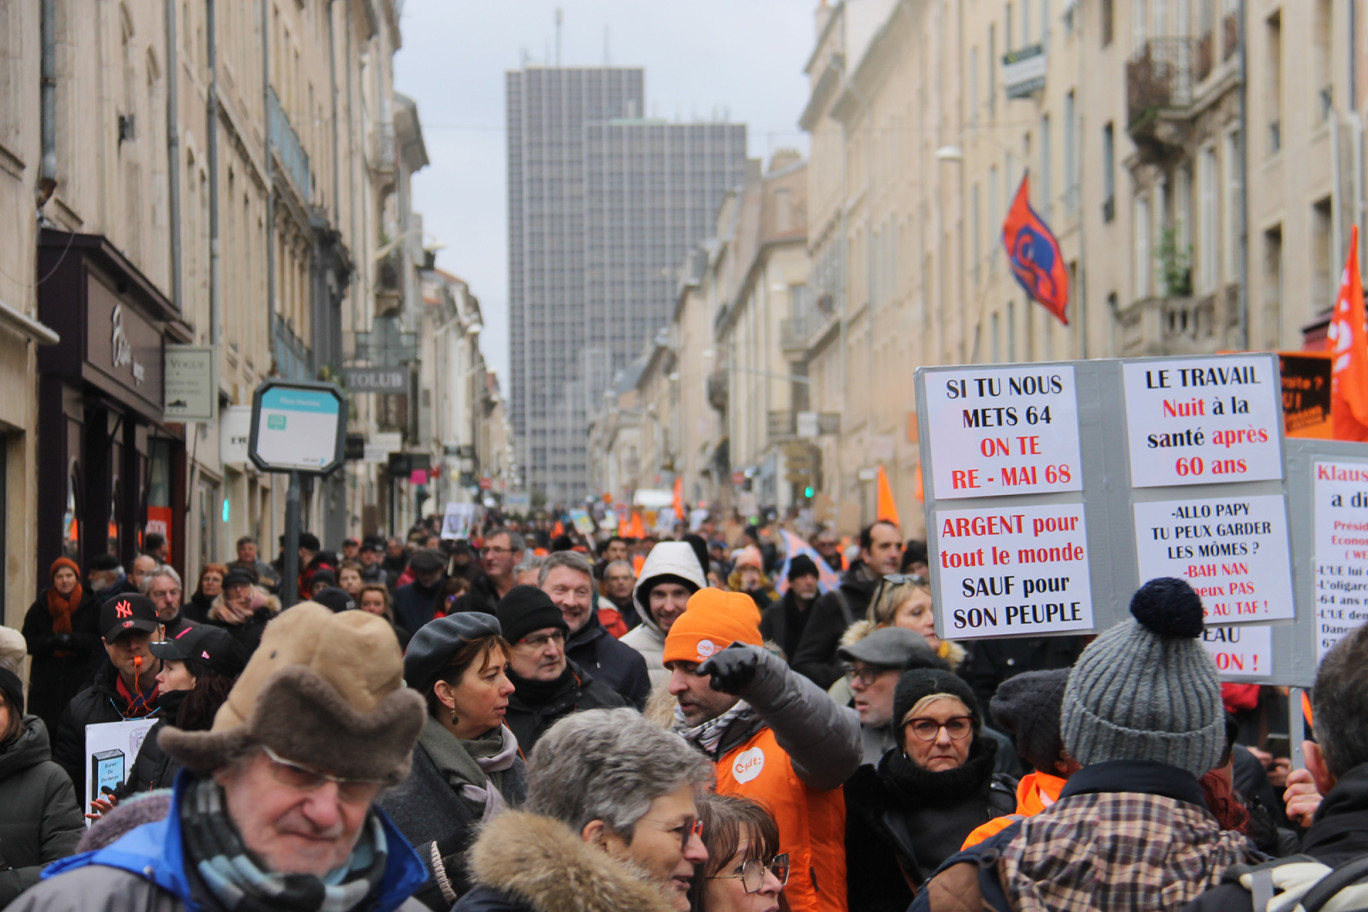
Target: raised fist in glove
733	669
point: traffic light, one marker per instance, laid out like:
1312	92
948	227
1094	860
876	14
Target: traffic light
809	491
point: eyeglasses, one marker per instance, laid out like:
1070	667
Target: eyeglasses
752	872
541	639
924	729
493	552
866	676
691	827
306	779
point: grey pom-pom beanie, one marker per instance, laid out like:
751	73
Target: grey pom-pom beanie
1146	689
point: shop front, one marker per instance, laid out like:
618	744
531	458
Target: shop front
109	470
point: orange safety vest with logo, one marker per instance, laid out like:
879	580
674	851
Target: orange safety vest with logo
811	822
1035	792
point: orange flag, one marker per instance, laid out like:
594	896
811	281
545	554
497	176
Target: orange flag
679	497
888	510
558	529
624	530
638	527
1348	340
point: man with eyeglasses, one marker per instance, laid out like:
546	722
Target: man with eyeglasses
774	736
547	685
834	612
500	554
610	823
275	807
874	664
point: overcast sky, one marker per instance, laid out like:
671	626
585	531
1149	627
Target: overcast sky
703	58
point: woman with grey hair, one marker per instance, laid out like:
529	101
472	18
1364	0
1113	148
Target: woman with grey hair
611	817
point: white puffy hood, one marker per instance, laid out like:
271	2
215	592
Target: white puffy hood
666	559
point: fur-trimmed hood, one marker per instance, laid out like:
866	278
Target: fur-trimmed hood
540	861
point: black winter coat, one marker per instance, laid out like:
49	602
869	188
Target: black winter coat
902	822
610	661
100	702
784	622
535	706
416	604
815	656
40	821
54	680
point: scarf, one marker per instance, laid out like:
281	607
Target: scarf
474	769
62	607
237	879
917	786
538	693
708	735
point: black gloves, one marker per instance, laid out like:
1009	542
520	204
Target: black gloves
733	669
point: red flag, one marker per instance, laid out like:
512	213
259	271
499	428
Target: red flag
1033	253
1348	340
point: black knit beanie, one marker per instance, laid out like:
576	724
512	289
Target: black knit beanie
923	682
525	609
1026	707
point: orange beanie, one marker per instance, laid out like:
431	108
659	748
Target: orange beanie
713	619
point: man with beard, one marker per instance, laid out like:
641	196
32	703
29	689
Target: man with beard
783	622
567	578
547	684
880	554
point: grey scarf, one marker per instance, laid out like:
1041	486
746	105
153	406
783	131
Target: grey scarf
708	735
473	768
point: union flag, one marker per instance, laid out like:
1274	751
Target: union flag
1348	343
1033	254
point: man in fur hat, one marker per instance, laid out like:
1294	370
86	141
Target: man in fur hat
275	806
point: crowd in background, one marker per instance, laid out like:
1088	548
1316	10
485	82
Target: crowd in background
724	718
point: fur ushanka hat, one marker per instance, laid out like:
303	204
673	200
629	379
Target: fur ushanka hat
324	690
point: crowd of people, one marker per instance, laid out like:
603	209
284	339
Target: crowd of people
538	720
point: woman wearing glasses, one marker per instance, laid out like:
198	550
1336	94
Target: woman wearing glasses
914	810
744	872
466	766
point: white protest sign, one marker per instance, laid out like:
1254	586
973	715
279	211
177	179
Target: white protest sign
1240	652
110	749
1013	570
1232	550
1340	491
1004	431
457	521
1203	421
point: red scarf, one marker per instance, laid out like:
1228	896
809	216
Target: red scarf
62	607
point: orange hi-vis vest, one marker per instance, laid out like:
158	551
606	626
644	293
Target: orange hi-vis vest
811	822
1035	792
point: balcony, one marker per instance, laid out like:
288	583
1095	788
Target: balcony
287	147
1191	325
795	333
384	155
389	284
1160	80
719	382
293	360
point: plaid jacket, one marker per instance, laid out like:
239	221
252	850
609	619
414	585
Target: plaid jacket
1153	846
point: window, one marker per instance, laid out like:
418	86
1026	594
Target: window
1272	281
1321	56
1230	207
992	69
1324	269
1108	172
1139	23
1273	96
1206	220
973	84
1070	156
1046	194
1025	22
1106	23
977	229
997	340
